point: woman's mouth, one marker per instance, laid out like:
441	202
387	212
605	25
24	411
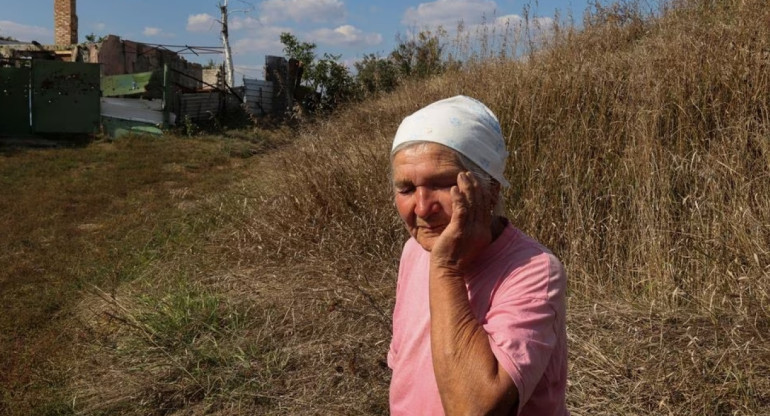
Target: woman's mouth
438	228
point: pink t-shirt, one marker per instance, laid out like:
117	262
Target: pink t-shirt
517	292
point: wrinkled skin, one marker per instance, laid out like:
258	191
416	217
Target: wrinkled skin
450	215
442	204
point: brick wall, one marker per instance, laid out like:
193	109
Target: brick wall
212	77
119	56
65	22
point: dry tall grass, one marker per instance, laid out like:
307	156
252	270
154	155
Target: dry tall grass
640	153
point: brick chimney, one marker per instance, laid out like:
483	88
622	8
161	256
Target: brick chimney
65	21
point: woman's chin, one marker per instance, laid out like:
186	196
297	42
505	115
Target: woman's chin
426	238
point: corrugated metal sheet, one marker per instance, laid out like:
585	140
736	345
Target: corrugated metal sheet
200	106
147	111
259	96
121	116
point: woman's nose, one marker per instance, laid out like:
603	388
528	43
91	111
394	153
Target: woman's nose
426	203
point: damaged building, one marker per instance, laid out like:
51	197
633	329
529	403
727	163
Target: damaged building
116	56
110	85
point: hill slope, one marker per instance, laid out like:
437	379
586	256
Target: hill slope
640	153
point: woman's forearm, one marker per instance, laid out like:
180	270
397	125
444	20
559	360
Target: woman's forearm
469	377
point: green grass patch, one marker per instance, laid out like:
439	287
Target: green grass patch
96	216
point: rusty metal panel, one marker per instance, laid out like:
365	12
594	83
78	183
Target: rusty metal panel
65	97
14	101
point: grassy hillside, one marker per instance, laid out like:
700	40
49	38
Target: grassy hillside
640	153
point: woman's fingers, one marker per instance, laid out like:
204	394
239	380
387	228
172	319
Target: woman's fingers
470	204
469	227
459	206
477	203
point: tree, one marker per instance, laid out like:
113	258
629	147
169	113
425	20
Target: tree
421	56
301	51
375	74
333	81
93	38
329	81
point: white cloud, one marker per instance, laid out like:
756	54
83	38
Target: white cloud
346	35
202	22
448	13
152	31
318	11
205	22
24	32
262	40
156	32
99	26
257	45
240	23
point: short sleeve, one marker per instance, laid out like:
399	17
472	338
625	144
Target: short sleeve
523	320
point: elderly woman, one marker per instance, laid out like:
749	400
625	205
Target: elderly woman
479	321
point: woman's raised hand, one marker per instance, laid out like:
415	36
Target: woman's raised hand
470	228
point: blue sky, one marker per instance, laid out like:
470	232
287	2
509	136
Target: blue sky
344	27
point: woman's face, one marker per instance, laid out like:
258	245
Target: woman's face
422	178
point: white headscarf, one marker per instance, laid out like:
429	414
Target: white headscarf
464	125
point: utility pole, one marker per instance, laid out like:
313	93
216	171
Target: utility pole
226	43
